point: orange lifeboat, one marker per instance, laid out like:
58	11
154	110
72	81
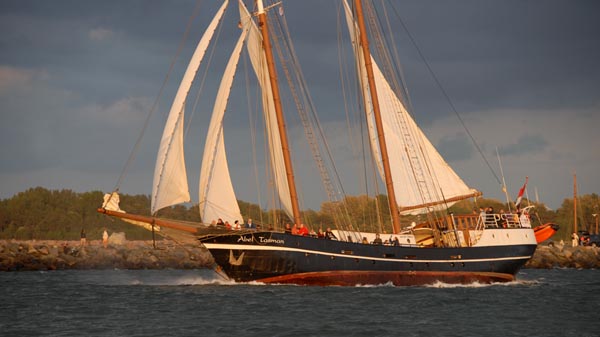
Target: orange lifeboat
545	231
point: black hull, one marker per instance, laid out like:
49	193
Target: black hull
273	257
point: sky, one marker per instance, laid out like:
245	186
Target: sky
78	80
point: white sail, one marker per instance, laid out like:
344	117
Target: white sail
217	197
170	185
422	179
259	63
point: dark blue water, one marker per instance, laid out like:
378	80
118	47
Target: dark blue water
196	303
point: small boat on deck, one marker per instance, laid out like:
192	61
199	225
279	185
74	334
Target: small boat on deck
545	231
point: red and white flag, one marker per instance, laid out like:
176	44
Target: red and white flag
521	191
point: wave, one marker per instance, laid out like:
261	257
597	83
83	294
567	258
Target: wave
476	284
182	281
382	285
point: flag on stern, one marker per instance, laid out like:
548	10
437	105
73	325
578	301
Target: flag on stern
521	191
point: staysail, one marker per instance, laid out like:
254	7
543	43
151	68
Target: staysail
217	196
259	64
423	181
170	185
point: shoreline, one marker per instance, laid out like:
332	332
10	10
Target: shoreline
29	255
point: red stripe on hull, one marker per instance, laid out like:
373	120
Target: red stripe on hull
398	278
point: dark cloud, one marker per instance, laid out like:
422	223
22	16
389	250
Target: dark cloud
526	144
456	148
492	55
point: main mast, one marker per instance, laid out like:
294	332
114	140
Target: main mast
364	41
574	203
262	23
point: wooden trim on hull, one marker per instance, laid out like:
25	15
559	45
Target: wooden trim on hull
397	278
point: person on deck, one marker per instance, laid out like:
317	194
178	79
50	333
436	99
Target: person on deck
250	225
321	234
503	219
302	230
329	234
236	225
377	240
287	229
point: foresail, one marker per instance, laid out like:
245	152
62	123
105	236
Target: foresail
217	196
423	181
170	184
259	64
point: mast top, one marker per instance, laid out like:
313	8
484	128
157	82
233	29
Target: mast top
260	7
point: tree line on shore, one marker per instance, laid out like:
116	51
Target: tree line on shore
39	213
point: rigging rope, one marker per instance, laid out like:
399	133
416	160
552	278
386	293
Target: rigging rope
438	83
252	125
203	80
298	87
156	101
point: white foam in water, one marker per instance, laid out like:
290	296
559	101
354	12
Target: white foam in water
439	284
382	285
160	278
182	281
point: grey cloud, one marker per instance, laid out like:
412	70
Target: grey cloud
457	147
526	144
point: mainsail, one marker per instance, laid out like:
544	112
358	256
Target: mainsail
217	197
259	64
170	185
423	181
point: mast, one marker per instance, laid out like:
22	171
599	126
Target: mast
574	203
262	23
377	114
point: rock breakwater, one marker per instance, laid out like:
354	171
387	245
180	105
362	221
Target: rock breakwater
52	255
563	256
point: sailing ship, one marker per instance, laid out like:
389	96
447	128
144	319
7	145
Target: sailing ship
443	247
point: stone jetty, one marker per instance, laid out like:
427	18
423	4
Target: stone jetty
119	254
123	254
564	256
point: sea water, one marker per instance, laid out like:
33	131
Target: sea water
199	303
